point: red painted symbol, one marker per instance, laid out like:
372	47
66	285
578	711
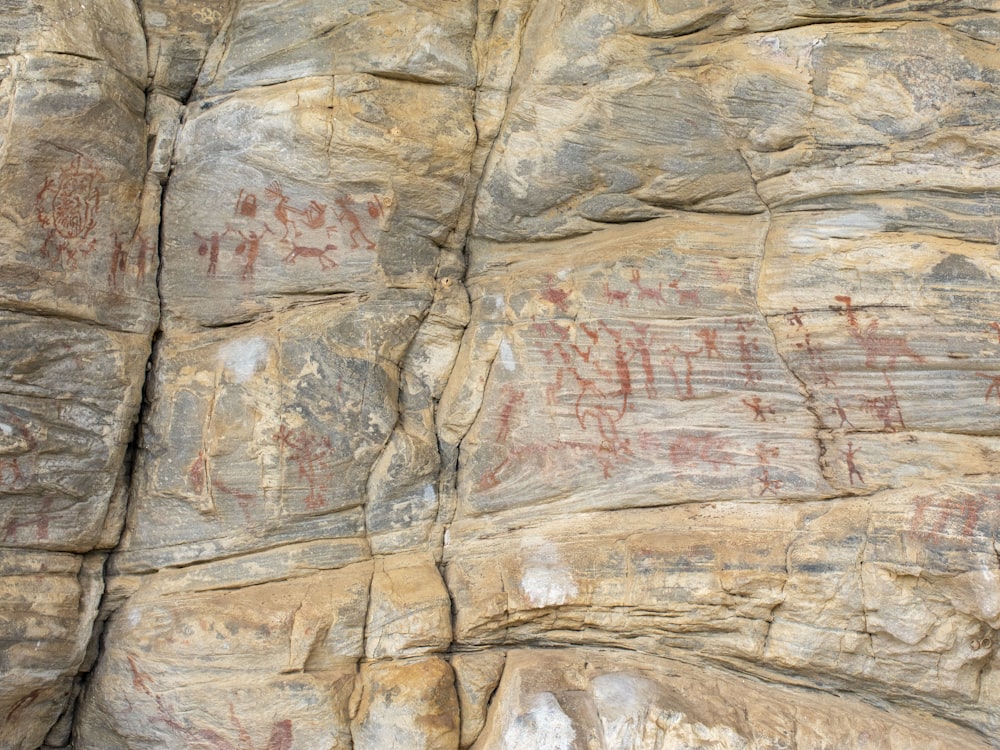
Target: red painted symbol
768	485
355	233
874	344
308	451
647	292
67	206
759	408
945	510
994	387
615	296
699	450
556	295
202	737
684	296
313	216
319	253
852	469
886	408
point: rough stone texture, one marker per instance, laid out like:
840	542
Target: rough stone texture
510	374
78	306
588	698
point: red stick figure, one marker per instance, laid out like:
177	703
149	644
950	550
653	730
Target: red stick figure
308	451
751	376
766	454
852	470
251	248
346	214
768	485
709	337
748	349
839	411
210	246
119	262
760	409
815	352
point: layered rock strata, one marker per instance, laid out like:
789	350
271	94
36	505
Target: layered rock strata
521	374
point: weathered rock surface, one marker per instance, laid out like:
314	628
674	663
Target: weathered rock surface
521	374
584	697
78	307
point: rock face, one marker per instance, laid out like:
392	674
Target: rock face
512	374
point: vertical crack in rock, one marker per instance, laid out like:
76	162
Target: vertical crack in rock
803	385
159	152
214	56
490	118
780	600
810	399
862	558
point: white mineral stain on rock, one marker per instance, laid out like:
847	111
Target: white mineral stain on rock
546	580
544	726
842	226
243	357
624	703
507	356
429	494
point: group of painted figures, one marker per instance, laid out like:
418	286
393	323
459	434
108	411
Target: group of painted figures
304	232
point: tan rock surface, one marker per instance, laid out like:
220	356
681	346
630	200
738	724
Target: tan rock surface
49	601
407	703
78	306
521	374
291	644
563	700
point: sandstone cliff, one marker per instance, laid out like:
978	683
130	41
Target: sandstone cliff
511	374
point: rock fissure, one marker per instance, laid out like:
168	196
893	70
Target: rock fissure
448	418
